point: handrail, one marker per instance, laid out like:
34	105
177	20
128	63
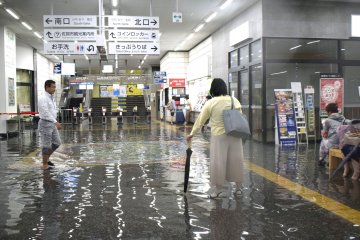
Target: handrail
21	113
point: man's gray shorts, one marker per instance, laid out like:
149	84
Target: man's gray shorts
49	136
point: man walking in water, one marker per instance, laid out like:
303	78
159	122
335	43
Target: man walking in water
48	125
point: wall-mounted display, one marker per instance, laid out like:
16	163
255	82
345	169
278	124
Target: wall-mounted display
331	91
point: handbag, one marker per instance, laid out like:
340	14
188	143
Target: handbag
236	123
352	138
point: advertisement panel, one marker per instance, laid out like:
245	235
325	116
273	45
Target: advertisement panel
331	91
133	90
310	109
285	117
177	82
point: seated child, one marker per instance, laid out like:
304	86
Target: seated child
330	125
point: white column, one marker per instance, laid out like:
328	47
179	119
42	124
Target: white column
8	102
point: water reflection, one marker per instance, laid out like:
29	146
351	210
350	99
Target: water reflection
126	183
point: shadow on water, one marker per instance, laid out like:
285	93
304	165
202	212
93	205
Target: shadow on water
126	183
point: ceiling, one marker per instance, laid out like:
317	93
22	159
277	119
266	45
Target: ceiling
193	13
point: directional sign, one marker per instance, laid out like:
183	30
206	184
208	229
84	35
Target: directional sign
70	21
70	48
70	34
133	22
134	35
134	48
159	77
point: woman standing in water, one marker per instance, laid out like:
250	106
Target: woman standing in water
226	152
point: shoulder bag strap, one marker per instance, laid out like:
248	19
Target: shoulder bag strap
232	103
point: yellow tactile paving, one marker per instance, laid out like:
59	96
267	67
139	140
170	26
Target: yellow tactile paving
327	203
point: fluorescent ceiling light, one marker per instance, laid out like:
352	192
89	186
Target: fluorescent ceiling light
199	27
132	71
26	25
45	41
295	47
191	35
225	4
37	34
12	13
86	57
114	3
1	3
277	73
115	12
343	49
313	42
145	57
139	66
211	17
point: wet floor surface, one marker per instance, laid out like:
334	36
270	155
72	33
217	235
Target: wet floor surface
127	183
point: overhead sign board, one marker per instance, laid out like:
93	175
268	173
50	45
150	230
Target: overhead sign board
133	21
134	48
70	34
70	48
159	77
70	21
133	35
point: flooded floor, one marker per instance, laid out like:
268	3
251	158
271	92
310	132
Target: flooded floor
126	182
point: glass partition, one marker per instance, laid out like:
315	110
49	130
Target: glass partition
301	49
244	55
256	51
352	85
350	50
234	84
234	58
256	102
280	76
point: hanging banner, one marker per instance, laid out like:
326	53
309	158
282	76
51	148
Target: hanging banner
309	93
331	91
285	116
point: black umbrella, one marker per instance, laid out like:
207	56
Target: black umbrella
187	166
344	161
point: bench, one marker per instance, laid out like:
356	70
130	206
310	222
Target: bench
335	158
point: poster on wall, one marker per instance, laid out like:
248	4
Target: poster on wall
106	90
122	90
285	117
11	88
331	91
133	90
116	90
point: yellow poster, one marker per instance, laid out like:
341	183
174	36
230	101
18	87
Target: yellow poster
132	90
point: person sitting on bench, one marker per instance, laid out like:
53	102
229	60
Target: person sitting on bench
330	125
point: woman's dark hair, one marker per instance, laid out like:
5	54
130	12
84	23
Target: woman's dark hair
332	108
218	87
